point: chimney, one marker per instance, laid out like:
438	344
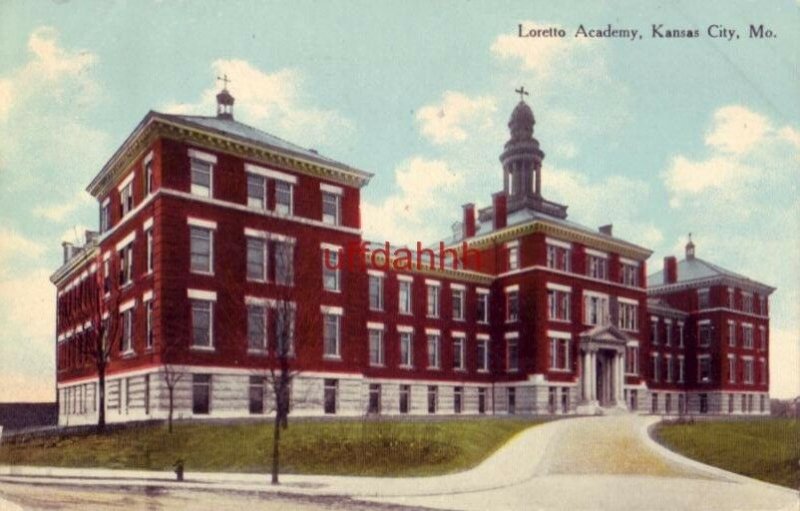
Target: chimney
670	270
499	210
469	220
606	229
69	248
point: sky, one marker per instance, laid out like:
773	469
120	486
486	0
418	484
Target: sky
659	136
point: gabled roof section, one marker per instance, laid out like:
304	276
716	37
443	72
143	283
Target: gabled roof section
698	271
659	306
225	135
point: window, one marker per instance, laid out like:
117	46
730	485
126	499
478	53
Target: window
628	316
107	276
512	400
703	403
149	330
703	299
731	298
330	269
483	355
459	364
763	371
558	305
404	298
126	265
256	259
669	368
704	334
330	396
284	328
105	216
630	274
749	378
405	349
201	177
680	334
284	262
762	305
512	254
731	369
512	305
632	360
201	250
654	332
762	338
731	334
256	395
127	331
654	403
597	267
668	336
458	304
283	198
704	368
458	399
150	255
405	398
481	400
374	406
376	347
331	208
433	300
433	398
482	312
126	199
747	302
376	292
747	334
148	177
256	191
656	369
332	334
202	319
256	328
681	369
558	257
559	354
434	351
595	309
201	394
512	354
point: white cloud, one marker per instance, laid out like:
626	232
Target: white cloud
543	55
784	359
737	130
456	117
58	212
273	101
409	215
14	247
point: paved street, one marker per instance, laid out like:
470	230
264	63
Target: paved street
583	463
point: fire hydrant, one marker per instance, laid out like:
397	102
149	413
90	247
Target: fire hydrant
178	466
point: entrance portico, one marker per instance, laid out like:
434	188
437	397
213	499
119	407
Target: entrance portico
602	369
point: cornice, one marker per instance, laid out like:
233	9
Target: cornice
460	275
725	280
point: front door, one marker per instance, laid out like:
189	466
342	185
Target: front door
601	381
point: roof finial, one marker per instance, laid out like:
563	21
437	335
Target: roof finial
690	248
224	79
522	92
225	100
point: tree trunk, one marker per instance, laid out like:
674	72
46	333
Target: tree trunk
101	387
276	439
171	389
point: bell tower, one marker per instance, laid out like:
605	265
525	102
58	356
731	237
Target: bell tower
225	100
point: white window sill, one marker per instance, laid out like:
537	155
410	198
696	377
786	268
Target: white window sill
335	358
202	348
483	371
198	272
407	367
257	281
459	319
558	320
261	352
460	369
328	290
512	370
432	368
560	370
371	364
128	353
376	310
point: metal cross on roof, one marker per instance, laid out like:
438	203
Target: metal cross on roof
522	92
224	79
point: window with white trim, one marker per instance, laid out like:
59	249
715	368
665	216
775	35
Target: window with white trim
512	354
747	302
433	300
703	298
512	306
150	253
747	336
330	270
668	333
559	354
126	265
628	316
731	369
404	296
256	259
331	208
284	203
105	216
127	331
632	360
406	359
149	324
680	334
762	338
376	357
704	368
284	314
558	258
731	334
256	328
656	369
762	305
149	184
654	332
512	254
459	352
457	296
434	351
558	305
597	267
731	298
681	369
284	262
202	175
376	292
595	309
256	191
629	274
749	378
201	247
483	355
668	361
202	323
704	334
126	199
763	371
482	308
332	335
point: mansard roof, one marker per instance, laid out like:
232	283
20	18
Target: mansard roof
697	272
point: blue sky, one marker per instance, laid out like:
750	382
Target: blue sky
660	137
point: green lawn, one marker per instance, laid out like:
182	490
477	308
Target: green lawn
345	447
762	448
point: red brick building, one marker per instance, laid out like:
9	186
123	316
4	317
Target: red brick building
209	228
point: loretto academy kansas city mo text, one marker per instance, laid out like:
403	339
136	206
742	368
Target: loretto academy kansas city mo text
214	237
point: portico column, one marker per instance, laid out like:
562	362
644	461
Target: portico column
592	377
585	375
621	377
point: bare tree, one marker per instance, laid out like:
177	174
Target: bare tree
172	374
93	305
